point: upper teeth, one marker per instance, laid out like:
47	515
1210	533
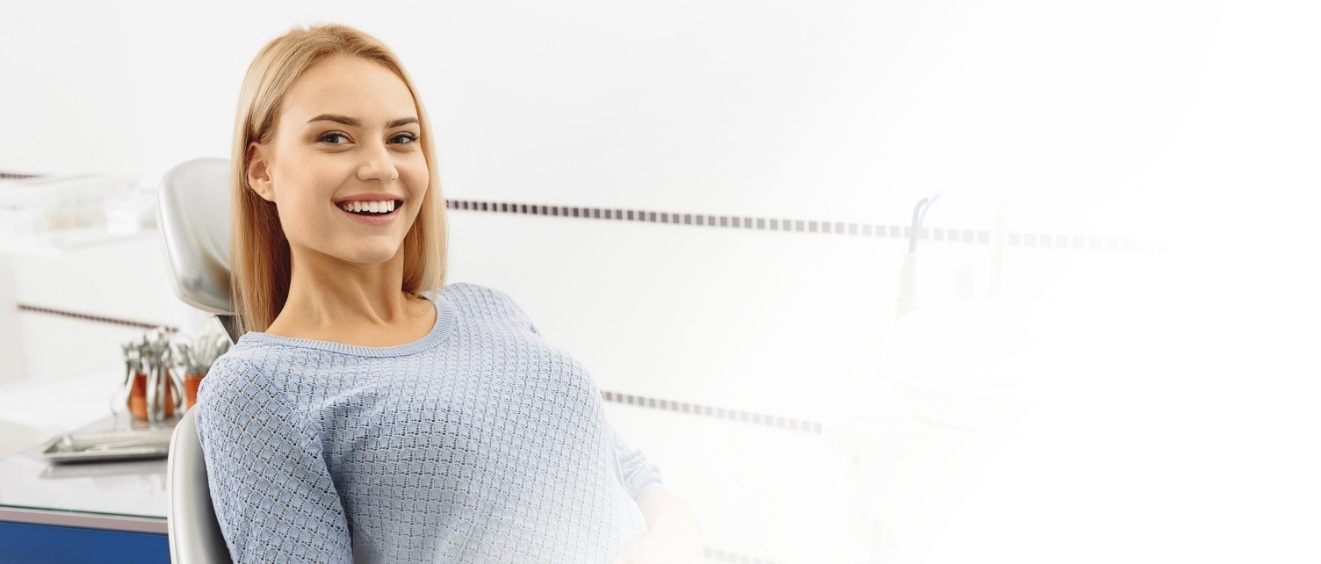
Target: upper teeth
384	206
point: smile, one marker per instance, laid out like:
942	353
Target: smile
370	208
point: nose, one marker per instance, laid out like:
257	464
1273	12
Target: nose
377	164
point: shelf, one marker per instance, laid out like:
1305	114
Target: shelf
56	243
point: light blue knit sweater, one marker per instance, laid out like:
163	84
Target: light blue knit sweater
480	442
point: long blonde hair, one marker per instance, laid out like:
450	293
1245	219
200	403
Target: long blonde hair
260	266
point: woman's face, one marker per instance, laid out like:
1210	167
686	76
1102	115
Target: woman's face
347	139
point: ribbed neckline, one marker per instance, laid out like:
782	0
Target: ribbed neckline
439	332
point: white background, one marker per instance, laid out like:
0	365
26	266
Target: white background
1178	408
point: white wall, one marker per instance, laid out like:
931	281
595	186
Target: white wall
1165	144
840	110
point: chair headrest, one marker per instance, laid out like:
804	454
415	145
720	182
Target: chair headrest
193	213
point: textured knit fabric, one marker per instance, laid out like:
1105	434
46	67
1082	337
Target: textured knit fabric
478	443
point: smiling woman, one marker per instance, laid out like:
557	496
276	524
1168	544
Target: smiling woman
369	414
348	133
330	110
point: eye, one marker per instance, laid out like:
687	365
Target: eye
403	138
333	138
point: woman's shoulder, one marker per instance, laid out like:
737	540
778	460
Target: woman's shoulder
469	291
237	368
236	393
484	302
244	373
476	298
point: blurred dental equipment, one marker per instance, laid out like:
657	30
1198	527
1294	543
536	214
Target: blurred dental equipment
152	391
195	357
908	273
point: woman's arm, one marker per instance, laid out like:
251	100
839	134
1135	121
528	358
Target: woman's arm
673	536
273	495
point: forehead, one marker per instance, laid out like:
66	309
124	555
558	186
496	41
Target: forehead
349	86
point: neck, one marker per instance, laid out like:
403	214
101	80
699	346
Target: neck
329	299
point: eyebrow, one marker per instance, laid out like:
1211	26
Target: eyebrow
354	122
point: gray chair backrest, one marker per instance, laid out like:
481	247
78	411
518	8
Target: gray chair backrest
194	534
193	213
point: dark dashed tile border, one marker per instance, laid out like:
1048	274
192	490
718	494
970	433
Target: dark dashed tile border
811	226
16	176
721	555
96	318
729	414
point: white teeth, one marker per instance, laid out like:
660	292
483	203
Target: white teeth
386	206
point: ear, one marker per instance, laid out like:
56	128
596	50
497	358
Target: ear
259	172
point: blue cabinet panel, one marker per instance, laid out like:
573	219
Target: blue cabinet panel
23	543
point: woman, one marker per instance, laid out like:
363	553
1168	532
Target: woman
367	415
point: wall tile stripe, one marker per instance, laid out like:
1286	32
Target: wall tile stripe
15	176
810	226
96	318
731	556
688	408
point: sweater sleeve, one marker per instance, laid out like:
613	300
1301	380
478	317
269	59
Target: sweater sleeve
638	474
273	494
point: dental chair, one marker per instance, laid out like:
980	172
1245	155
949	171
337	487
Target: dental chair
193	217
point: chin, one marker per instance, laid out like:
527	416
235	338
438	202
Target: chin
371	254
374	257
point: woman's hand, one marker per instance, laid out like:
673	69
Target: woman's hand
672	535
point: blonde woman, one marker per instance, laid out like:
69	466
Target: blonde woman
369	414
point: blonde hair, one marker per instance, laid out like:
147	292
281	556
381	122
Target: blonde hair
260	266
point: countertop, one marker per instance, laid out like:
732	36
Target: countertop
119	495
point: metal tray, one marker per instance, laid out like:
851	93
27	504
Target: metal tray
114	445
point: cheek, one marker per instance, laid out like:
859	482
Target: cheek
300	197
416	176
294	219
